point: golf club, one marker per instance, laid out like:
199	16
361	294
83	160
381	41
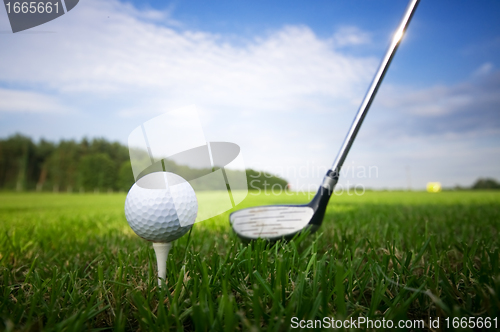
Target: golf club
274	222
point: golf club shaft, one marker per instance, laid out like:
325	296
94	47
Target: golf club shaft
372	91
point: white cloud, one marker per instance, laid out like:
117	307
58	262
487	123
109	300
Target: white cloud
125	53
484	69
16	101
429	102
349	35
466	108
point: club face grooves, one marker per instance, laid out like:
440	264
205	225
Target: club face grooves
269	222
275	222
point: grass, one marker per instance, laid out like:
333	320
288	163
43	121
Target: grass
70	262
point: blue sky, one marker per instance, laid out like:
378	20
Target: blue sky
283	79
444	27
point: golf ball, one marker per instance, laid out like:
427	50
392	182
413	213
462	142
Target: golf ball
161	207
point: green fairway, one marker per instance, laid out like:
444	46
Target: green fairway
71	262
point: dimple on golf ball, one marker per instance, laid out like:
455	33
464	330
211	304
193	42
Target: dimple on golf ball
161	207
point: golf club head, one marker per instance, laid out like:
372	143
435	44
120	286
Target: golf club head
271	222
275	222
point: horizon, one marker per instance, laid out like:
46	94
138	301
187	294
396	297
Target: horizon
356	188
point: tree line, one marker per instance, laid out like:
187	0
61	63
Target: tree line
89	165
97	165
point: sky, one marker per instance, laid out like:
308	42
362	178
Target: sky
282	79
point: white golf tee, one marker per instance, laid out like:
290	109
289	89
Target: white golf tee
161	251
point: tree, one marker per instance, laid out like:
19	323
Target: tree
96	164
263	180
486	184
125	176
43	151
16	162
97	171
62	166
